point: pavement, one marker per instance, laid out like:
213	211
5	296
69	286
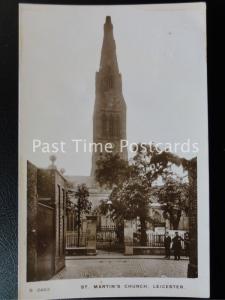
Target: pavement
107	264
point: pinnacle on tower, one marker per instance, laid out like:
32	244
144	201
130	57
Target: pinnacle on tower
108	54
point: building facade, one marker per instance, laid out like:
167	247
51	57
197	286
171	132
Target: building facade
46	222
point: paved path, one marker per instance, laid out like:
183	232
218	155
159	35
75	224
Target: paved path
122	266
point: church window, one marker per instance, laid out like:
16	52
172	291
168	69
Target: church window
110	82
104	125
117	126
111	133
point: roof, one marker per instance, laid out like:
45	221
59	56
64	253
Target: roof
88	180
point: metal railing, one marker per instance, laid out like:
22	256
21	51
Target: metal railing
107	238
157	240
72	239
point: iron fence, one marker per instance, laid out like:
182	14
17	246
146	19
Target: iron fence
155	240
107	238
72	239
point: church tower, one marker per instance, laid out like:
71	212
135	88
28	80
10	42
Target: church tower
109	119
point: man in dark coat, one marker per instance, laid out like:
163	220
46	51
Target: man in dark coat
177	246
186	244
167	242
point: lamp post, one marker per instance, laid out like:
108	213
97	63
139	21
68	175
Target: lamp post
109	203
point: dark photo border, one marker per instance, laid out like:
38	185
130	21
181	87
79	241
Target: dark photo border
9	139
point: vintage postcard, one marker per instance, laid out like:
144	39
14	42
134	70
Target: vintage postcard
113	151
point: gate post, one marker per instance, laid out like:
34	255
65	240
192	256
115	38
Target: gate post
193	263
128	237
91	235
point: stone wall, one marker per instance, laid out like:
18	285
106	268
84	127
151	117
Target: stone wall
45	182
51	184
48	187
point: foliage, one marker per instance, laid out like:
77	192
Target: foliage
152	162
174	197
82	205
133	182
111	170
129	201
131	198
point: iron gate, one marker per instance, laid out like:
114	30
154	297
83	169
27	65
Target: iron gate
107	239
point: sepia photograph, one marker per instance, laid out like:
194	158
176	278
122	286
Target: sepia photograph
113	151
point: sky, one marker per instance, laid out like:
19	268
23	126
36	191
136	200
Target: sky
161	52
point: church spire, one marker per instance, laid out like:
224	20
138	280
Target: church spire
109	119
108	54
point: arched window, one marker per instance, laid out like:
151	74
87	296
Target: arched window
117	126
111	131
109	82
104	125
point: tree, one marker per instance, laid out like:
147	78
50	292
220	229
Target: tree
130	193
174	197
148	161
132	182
129	201
111	170
152	162
83	205
133	198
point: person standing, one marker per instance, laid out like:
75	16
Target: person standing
186	244
177	246
167	242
